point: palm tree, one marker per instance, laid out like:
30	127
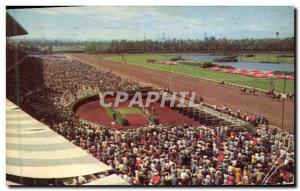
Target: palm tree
277	35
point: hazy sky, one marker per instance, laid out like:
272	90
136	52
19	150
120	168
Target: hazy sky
107	23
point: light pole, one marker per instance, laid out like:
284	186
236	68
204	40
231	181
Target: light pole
170	79
125	62
284	87
277	37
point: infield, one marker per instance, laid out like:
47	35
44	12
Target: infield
260	83
129	110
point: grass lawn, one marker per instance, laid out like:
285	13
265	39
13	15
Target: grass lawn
261	83
109	111
129	110
268	58
117	115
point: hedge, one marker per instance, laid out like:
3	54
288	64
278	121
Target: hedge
208	65
190	63
226	59
151	60
225	66
75	104
205	64
200	64
150	117
117	116
177	58
272	62
283	72
153	119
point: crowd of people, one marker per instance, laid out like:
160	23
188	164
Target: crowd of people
155	154
184	155
51	83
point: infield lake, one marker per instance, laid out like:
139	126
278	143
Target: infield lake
245	65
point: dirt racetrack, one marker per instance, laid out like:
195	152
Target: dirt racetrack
93	112
211	92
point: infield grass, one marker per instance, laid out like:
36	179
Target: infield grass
196	71
268	58
128	110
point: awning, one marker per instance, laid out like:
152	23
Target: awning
10	183
13	28
109	180
33	150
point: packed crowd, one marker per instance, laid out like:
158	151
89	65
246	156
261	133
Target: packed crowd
52	84
155	154
183	155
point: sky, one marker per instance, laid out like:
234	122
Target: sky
156	23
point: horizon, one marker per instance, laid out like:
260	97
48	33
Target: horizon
20	39
154	23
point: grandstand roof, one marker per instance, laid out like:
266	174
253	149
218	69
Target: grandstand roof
33	150
13	28
109	180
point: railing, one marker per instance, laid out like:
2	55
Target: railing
16	63
216	113
221	115
202	78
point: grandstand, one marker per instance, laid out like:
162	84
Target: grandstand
35	153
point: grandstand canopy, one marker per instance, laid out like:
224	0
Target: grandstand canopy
109	180
33	150
13	28
10	183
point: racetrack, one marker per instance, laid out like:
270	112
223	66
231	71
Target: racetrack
93	112
211	92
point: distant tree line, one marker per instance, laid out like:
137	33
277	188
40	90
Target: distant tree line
43	43
210	44
207	45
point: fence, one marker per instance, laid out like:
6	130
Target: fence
206	79
218	114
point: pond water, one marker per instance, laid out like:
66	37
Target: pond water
259	66
246	65
202	57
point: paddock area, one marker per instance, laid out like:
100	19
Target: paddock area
93	112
